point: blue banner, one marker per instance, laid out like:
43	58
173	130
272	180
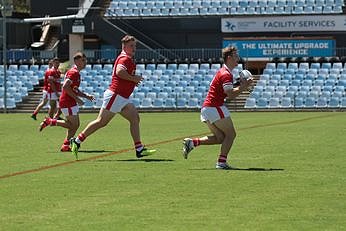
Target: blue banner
283	47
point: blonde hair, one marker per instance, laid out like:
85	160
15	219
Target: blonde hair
127	38
228	51
79	55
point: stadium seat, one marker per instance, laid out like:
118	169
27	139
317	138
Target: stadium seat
334	102
250	103
158	103
321	102
262	103
298	102
286	102
169	103
343	102
146	103
181	103
193	103
274	103
310	102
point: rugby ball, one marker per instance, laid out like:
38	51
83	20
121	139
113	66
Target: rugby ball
245	74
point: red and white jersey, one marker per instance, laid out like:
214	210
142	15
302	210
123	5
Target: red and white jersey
66	100
216	94
54	74
121	86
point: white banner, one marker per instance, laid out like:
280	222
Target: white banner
284	23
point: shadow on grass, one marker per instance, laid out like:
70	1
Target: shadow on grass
245	169
94	151
147	160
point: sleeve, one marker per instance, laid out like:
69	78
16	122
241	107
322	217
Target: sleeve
227	81
124	63
70	75
50	74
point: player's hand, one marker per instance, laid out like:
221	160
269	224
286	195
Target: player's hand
244	84
90	97
79	102
138	79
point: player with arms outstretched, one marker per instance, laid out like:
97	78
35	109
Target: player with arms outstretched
215	114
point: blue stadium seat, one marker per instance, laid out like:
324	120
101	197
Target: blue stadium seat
274	103
146	103
286	102
321	102
334	102
343	102
250	103
170	103
181	103
193	103
298	102
262	103
158	103
310	102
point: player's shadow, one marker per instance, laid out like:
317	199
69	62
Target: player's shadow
147	160
246	169
94	151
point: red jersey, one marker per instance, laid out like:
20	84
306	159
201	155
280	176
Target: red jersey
53	74
121	86
45	79
216	94
66	100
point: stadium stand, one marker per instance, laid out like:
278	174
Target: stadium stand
158	8
316	90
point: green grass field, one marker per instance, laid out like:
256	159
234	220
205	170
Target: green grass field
292	175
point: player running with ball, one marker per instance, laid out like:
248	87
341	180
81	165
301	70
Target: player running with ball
215	114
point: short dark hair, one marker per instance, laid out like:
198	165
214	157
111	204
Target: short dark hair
55	59
127	38
228	51
79	55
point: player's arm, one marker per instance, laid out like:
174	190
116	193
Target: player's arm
122	73
52	85
233	92
85	95
68	89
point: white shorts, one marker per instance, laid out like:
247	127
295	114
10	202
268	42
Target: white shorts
69	111
113	102
52	96
213	114
44	95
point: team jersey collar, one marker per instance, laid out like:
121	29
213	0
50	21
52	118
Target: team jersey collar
224	65
124	53
75	67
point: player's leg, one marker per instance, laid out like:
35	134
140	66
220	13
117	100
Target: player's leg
52	108
227	127
72	124
58	113
39	106
70	111
208	115
102	120
191	143
130	113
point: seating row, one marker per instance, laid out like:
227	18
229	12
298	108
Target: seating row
221	7
297	102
